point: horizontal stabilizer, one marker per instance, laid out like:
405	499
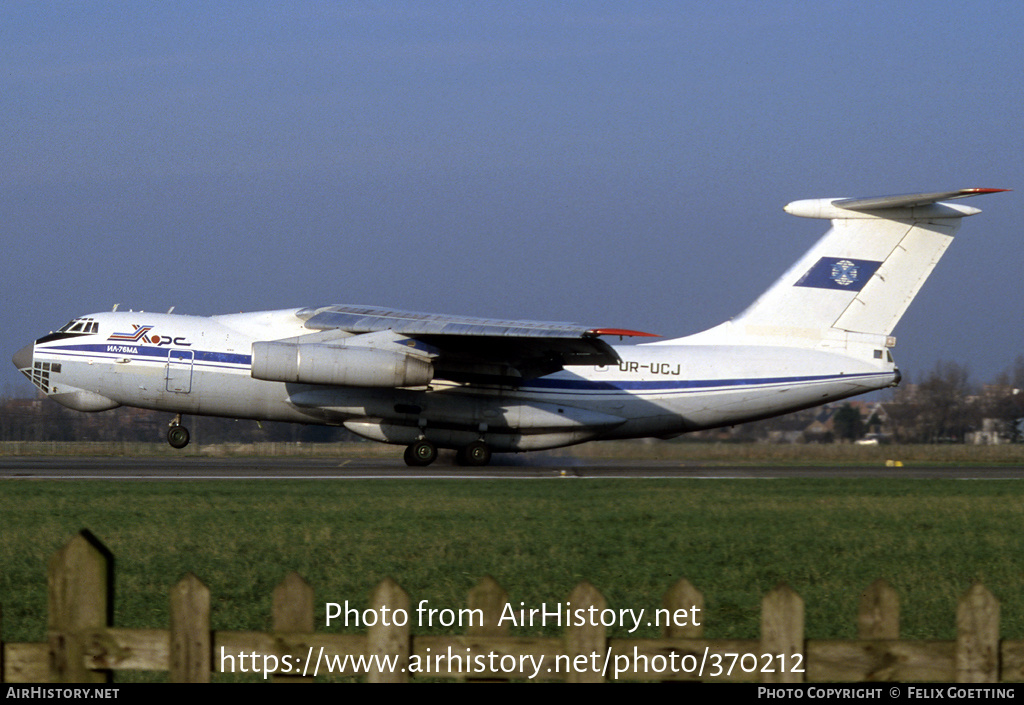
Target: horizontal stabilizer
913	206
909	200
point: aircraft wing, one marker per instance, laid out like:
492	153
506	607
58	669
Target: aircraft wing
368	319
465	348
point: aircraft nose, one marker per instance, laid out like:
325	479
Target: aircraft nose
23	358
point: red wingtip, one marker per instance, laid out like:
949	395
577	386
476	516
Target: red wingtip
624	332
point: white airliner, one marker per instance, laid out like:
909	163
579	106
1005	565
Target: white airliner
822	332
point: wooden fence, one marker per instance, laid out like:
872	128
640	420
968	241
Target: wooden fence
84	647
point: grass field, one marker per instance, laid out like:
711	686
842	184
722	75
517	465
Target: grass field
734	540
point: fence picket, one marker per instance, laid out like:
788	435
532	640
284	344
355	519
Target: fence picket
79	600
293	612
977	636
782	634
386	638
879	614
191	656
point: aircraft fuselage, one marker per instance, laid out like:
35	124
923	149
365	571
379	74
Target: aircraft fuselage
203	366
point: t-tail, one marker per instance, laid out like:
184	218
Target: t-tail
853	286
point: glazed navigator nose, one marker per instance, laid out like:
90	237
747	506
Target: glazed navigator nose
23	358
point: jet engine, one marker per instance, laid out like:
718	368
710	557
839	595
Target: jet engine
348	366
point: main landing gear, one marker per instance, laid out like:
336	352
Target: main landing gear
476	454
420	454
177	435
423	453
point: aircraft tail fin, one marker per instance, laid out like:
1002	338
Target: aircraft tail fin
859	278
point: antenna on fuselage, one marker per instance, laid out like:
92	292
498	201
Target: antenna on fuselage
170	309
114	310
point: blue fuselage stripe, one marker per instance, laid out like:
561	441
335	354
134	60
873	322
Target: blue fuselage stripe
148	353
543	385
567	385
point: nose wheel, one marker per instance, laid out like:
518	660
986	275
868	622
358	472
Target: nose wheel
177	435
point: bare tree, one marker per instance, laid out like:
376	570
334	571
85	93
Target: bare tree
947	403
1004	401
943	407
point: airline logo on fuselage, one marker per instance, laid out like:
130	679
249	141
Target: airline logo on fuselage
142	334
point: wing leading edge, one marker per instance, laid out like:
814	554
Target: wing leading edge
368	319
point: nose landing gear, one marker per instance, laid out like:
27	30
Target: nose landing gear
177	435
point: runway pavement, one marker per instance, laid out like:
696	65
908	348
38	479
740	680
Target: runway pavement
249	469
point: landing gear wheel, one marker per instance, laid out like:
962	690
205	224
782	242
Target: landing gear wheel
177	436
476	454
420	454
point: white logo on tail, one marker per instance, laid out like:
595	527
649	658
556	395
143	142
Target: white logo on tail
844	272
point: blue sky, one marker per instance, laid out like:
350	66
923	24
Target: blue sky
617	164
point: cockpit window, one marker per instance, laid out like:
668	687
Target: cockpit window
82	326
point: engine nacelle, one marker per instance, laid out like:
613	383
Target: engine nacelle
339	365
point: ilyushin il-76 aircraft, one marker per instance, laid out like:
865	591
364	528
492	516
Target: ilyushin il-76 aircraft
822	332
